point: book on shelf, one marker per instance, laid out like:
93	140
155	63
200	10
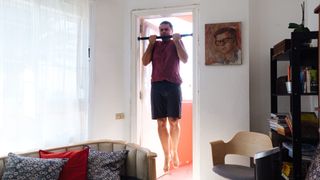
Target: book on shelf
282	124
278	117
283	130
286	171
273	121
307	150
288	120
309	125
308	79
278	123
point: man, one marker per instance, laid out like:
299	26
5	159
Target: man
166	96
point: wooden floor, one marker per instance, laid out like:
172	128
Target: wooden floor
181	173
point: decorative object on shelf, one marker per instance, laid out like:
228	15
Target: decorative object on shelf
299	27
223	43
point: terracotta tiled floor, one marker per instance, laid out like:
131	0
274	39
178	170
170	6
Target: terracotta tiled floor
182	173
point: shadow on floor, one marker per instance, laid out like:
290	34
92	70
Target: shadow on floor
181	173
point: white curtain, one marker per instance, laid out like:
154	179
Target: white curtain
44	73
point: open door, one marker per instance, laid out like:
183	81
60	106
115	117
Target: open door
144	129
182	23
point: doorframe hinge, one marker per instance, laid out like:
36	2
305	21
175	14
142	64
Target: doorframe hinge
140	95
89	54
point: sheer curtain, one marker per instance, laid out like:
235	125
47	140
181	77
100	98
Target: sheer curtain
44	73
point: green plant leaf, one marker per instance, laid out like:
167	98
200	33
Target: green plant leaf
293	25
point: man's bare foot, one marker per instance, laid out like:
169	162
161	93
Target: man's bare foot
175	159
166	166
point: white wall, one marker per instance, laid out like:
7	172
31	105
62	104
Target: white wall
223	90
311	19
109	66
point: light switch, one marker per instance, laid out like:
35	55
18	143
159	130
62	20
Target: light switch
119	116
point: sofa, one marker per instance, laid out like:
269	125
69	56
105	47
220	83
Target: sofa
140	163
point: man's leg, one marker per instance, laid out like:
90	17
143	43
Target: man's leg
164	138
174	137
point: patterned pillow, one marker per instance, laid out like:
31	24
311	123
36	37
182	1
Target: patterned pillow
314	168
18	168
104	165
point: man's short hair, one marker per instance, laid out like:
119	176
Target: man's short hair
167	22
229	30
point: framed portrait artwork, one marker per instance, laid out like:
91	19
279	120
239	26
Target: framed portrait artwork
223	44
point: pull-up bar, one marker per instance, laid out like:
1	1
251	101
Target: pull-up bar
165	37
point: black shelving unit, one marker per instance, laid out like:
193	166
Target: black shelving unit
298	55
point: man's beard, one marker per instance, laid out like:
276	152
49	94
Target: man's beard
166	39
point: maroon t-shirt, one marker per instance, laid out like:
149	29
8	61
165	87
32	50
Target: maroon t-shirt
165	62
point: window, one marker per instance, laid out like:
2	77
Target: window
44	73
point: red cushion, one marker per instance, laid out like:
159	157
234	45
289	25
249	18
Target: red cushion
75	168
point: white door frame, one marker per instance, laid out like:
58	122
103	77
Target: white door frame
136	67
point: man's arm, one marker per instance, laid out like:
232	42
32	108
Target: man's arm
183	56
146	58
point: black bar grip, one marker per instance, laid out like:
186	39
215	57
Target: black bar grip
160	37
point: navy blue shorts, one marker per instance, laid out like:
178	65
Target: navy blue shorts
165	100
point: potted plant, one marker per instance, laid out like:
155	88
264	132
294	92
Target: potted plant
299	27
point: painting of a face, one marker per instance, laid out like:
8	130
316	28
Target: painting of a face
223	43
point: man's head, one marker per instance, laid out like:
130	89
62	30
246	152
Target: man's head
165	29
226	39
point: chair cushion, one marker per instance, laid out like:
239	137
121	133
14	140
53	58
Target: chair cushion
235	172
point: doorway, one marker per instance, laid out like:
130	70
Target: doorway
144	129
